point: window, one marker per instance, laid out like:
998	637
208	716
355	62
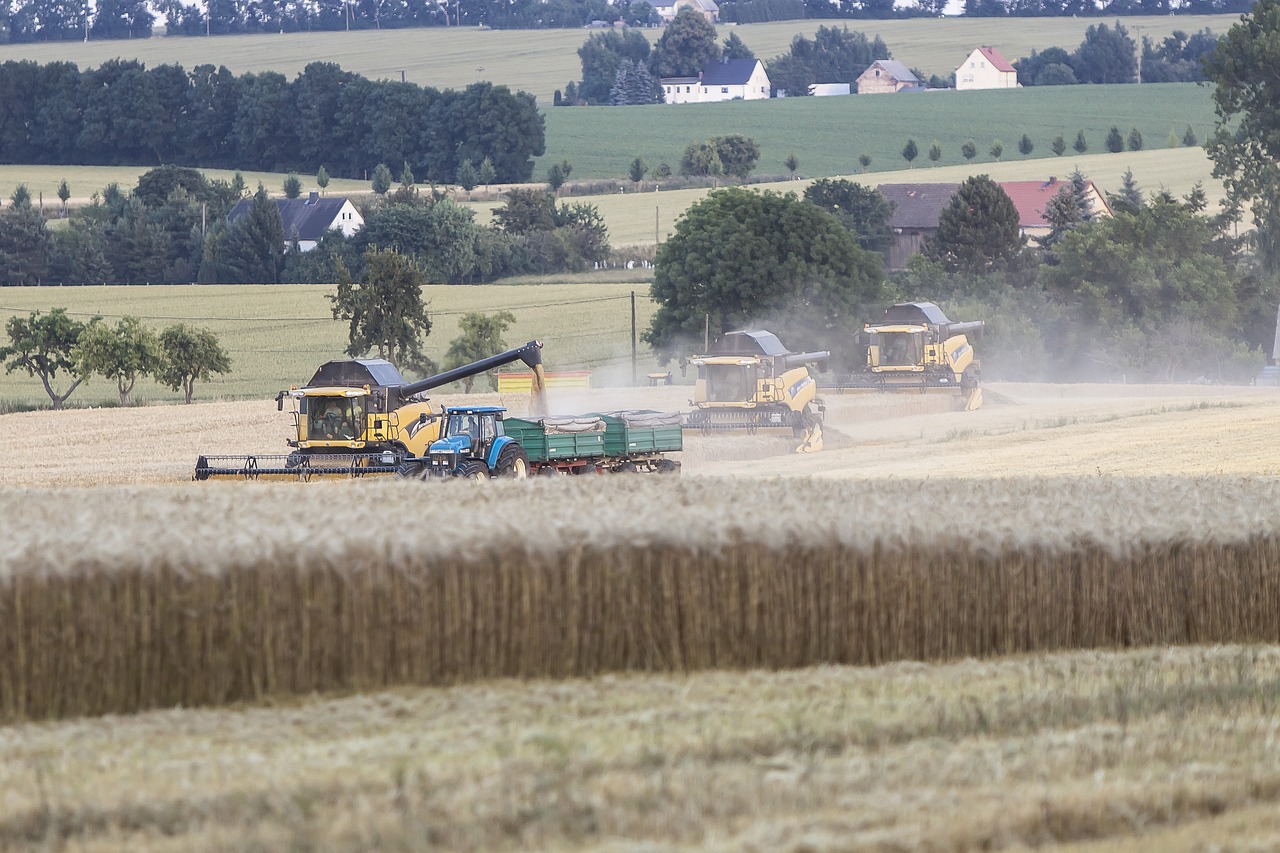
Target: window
724	90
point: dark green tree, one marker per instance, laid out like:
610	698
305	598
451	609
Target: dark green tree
1059	145
21	196
64	195
1025	146
25	245
736	48
1245	145
738	154
384	309
792	163
602	55
255	244
910	151
1135	139
701	159
44	345
834	55
1129	199
1189	138
292	185
468	177
485	172
381	179
969	149
558	173
633	86
1081	145
687	46
189	354
481	337
742	257
1115	142
935	152
997	149
862	210
1107	55
637	170
864	161
122	353
322	178
978	231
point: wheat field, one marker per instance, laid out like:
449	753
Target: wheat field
1048	623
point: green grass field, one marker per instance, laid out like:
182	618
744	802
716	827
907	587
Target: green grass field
828	134
84	181
277	336
541	61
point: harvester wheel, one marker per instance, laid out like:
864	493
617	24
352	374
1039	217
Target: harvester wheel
470	471
513	462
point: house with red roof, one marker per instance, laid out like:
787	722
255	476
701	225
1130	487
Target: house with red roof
1033	197
986	68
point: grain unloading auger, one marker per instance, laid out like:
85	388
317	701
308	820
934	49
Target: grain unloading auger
359	417
916	349
750	381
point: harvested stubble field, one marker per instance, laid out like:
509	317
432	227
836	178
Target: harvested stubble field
1056	518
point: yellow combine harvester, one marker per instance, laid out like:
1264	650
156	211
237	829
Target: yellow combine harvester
915	348
750	381
358	417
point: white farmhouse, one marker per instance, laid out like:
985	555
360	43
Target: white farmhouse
985	68
306	219
724	80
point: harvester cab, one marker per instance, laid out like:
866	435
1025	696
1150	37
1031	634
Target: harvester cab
750	381
360	416
914	347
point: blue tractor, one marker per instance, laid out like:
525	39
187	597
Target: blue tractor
473	445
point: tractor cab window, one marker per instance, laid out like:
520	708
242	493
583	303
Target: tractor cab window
465	424
486	431
729	383
335	418
900	349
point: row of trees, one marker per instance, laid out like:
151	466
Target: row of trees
1156	291
1115	142
1110	55
123	112
63	353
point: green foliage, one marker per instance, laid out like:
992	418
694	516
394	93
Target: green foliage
558	174
602	55
322	178
64	193
832	56
255	245
1245	146
997	149
1115	142
862	210
486	173
792	163
1172	140
481	337
935	152
638	169
1059	145
1107	55
292	186
468	177
1135	140
746	257
568	237
864	161
738	154
969	149
441	239
1129	199
21	196
25	245
1189	138
1081	145
736	48
381	179
1025	146
701	159
978	231
634	86
687	46
384	309
910	151
44	345
662	172
121	353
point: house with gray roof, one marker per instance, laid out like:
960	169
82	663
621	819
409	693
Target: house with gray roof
916	211
722	80
307	219
886	76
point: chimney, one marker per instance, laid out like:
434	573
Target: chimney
314	197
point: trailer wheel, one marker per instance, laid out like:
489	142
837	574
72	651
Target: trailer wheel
548	471
626	468
513	462
667	466
470	471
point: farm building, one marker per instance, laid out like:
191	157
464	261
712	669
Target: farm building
1032	197
918	207
306	219
828	90
986	68
707	8
724	80
886	76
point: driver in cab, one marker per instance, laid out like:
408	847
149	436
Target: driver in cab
333	424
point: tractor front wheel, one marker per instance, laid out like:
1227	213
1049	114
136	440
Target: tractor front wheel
513	462
470	471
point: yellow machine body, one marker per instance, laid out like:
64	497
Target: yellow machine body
735	382
905	350
331	420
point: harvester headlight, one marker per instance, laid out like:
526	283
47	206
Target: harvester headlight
388	457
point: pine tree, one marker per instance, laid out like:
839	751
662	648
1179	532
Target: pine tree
1115	142
1080	145
1129	199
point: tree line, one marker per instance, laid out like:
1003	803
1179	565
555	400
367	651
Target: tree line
1157	291
124	113
173	228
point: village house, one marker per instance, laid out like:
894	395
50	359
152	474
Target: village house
707	8
886	76
307	219
723	80
1032	199
985	68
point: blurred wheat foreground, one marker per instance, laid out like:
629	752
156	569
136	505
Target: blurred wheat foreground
130	598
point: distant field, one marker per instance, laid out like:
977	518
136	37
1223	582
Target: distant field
828	134
84	181
277	336
541	61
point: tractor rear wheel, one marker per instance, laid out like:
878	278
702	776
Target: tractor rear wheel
513	462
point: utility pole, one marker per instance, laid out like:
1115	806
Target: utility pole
634	375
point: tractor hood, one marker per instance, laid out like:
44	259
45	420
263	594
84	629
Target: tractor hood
450	444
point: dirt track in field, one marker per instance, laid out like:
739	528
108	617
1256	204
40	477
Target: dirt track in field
1023	429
